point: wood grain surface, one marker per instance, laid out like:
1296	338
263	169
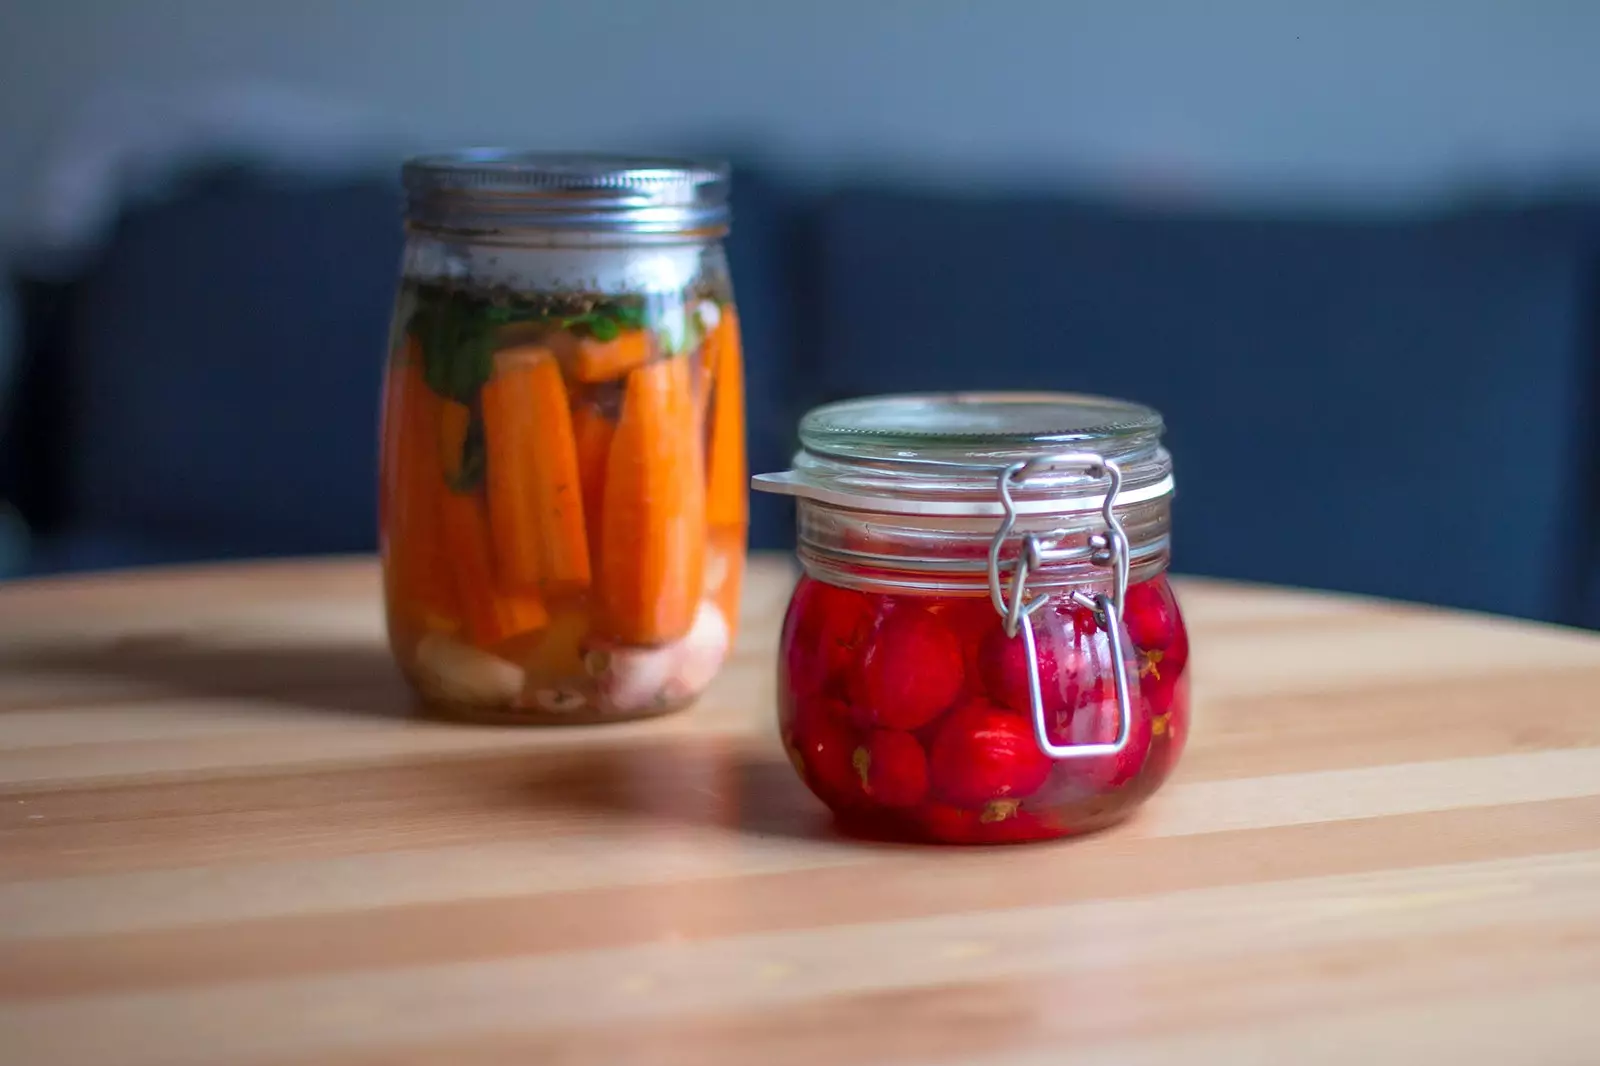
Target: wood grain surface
226	838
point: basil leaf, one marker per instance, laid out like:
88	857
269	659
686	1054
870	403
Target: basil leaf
457	339
629	316
474	458
603	329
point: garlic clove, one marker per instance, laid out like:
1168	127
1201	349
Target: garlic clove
632	679
703	651
461	673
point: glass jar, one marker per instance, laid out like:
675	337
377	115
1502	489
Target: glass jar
984	647
563	499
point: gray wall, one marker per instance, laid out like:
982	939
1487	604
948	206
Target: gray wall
1230	97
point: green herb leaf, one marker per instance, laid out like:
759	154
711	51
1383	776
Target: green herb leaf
628	316
603	328
474	458
457	338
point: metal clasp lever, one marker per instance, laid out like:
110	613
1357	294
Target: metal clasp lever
1107	549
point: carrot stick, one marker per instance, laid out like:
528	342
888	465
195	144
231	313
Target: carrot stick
653	533
593	432
390	418
491	614
417	578
534	485
727	499
609	360
454	419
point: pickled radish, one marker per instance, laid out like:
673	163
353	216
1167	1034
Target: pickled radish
909	715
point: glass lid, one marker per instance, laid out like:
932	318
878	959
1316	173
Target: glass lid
951	425
941	453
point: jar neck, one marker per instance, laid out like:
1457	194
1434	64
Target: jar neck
950	555
608	264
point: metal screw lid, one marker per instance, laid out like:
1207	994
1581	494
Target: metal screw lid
487	189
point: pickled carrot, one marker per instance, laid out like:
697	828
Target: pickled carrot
554	654
727	479
533	481
412	483
596	360
396	377
593	432
492	614
454	420
653	529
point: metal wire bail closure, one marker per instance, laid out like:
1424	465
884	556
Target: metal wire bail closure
1108	549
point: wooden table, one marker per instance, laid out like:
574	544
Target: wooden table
224	838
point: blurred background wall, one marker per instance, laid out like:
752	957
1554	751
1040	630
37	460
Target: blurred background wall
1354	244
1242	98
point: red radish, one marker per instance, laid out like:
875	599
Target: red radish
892	768
972	620
1150	614
984	753
822	633
800	670
1003	665
998	822
1160	671
825	747
948	825
910	669
1099	723
1008	822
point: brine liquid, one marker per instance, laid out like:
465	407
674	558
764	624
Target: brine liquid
563	499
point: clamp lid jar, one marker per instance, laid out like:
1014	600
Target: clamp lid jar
985	646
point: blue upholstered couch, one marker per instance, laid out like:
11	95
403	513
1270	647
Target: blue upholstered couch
1401	405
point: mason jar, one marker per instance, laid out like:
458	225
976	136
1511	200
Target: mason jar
563	483
984	646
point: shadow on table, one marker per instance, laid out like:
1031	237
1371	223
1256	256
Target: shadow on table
351	679
639	771
706	781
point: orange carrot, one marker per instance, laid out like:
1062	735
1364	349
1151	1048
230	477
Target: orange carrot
653	532
401	376
491	614
609	360
389	420
416	572
454	420
727	480
593	432
534	486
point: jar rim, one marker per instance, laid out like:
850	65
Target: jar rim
490	189
944	453
1020	424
